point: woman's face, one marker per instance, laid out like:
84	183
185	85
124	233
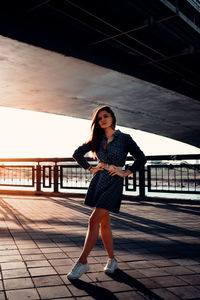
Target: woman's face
104	119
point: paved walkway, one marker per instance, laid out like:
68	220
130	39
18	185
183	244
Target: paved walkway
157	247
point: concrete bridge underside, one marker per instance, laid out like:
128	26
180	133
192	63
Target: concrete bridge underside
47	73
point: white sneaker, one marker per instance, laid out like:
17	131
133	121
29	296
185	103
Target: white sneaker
111	266
78	270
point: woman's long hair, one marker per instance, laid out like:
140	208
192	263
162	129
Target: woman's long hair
97	131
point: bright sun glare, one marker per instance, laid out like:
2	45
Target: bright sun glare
35	134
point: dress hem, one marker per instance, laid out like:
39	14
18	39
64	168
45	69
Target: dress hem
98	206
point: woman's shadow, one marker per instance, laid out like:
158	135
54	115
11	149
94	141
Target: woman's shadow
100	293
123	277
93	290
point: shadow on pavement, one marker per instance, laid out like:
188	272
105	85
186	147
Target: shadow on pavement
94	291
100	293
123	277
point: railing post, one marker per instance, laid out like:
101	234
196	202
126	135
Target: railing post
55	176
38	178
142	182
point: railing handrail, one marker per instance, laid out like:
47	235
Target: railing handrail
173	157
129	158
50	172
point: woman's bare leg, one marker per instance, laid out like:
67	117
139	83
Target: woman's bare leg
92	233
106	235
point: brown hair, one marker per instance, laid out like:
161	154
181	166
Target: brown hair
97	131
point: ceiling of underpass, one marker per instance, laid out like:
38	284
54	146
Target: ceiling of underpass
140	57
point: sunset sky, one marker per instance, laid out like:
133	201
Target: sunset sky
35	134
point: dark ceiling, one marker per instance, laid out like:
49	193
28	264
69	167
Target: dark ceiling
156	41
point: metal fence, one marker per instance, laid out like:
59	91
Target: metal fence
162	174
17	175
174	179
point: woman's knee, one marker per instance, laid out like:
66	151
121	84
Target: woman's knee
92	221
97	216
105	222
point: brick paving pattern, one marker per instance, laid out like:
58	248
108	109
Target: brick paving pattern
157	245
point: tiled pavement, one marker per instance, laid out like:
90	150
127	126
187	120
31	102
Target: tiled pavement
157	247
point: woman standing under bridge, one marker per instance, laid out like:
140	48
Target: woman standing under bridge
105	190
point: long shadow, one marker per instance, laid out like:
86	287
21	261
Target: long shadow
100	293
187	209
123	277
132	221
71	203
94	291
137	199
12	214
125	221
155	226
179	205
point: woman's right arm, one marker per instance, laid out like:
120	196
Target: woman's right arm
79	153
81	160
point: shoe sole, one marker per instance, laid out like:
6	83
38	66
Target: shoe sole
72	277
110	272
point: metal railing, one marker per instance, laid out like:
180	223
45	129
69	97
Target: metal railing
174	179
161	174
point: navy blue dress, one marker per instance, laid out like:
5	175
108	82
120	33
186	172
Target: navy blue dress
105	191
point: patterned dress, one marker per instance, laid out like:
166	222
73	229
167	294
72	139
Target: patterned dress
105	191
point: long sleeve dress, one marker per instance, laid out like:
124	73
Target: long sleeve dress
105	191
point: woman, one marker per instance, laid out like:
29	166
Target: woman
105	191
